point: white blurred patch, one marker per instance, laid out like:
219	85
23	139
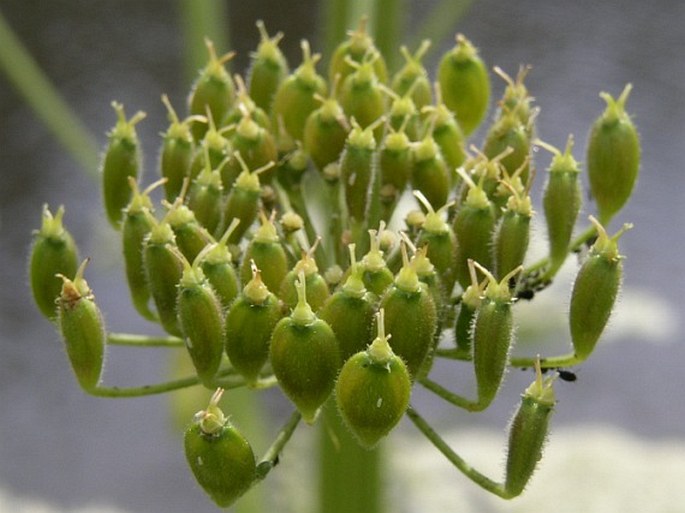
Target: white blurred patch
12	504
588	469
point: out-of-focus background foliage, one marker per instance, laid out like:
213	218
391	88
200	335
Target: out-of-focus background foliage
618	442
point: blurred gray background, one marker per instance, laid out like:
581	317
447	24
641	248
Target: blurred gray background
61	447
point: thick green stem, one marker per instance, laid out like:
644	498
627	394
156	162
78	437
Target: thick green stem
350	477
202	19
456	460
388	29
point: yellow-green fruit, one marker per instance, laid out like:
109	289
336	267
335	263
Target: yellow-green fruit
613	157
176	155
53	252
82	328
372	391
464	84
356	47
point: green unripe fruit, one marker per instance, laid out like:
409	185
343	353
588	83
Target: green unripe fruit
245	106
213	90
190	236
267	253
512	234
493	335
205	199
122	158
317	288
350	312
373	390
218	267
304	357
470	302
361	96
243	201
249	324
136	228
215	147
82	328
255	145
395	164
447	134
295	98
561	201
413	78
411	317
613	157
176	155
509	132
268	68
440	241
376	275
201	321
356	48
594	291
53	252
430	174
473	226
325	131
357	168
516	98
464	84
219	456
528	432
163	270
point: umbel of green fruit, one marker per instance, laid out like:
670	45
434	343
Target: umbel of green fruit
373	390
219	455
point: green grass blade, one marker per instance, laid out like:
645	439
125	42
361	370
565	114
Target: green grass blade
45	100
